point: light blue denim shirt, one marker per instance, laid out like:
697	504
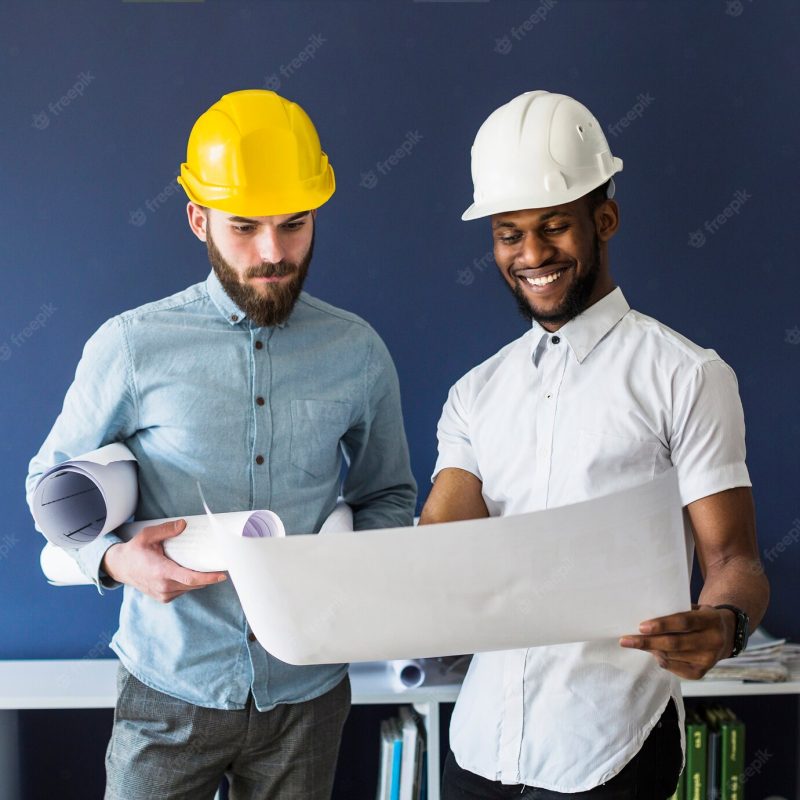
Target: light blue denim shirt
262	418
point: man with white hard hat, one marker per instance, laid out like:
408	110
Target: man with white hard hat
258	390
595	398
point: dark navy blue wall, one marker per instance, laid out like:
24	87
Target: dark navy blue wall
92	223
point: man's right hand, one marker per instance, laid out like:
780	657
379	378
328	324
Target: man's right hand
141	563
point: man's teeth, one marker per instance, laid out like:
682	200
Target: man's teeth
544	281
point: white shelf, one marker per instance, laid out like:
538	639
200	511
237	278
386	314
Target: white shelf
91	683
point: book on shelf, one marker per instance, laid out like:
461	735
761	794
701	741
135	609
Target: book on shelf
402	773
696	756
391	758
714	767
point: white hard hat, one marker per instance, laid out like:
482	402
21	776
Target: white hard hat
536	151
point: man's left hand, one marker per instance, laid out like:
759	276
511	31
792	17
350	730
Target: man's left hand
689	643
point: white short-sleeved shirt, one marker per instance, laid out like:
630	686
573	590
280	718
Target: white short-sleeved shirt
607	402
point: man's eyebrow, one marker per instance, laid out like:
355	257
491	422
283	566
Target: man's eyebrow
544	218
249	221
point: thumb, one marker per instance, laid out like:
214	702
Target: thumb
166	530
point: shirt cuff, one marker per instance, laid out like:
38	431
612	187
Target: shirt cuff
90	558
694	485
457	458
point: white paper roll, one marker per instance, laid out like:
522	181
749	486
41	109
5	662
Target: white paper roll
85	497
407	674
195	547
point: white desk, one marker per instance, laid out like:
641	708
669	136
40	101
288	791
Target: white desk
88	683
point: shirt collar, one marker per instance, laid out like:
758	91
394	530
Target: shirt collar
584	332
230	310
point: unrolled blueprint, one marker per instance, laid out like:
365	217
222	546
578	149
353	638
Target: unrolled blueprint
587	571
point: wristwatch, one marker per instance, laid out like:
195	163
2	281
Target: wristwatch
742	632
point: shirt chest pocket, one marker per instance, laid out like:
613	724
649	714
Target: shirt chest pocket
317	428
607	459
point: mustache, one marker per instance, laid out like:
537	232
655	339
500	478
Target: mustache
269	270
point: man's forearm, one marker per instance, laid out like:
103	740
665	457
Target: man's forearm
740	582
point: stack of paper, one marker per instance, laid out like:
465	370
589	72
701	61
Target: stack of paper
765	659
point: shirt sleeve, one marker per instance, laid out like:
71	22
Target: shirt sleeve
379	485
707	445
455	446
99	408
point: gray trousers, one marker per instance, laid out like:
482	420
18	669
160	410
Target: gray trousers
167	749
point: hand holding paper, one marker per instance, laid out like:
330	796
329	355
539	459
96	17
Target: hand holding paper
687	644
142	563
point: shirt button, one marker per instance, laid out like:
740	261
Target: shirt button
556	339
260	401
251	637
234	317
259	345
259	459
548	395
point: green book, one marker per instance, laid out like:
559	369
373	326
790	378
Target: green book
696	756
732	757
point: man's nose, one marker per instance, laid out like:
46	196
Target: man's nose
534	251
270	246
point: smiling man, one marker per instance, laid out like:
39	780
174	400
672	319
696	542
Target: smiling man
261	392
595	398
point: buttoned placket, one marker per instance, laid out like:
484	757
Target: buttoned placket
549	360
552	366
260	342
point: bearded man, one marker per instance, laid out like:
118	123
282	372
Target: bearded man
259	391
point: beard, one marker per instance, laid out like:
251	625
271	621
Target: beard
576	300
268	309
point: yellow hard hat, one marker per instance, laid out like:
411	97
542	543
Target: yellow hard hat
255	154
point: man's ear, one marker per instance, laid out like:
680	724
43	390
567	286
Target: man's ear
198	219
606	219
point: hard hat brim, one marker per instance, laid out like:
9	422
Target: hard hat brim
531	201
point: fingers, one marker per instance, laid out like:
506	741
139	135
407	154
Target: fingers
683	622
675	643
157	533
191	579
688	670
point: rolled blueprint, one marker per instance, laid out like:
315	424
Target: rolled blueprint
85	497
407	674
195	547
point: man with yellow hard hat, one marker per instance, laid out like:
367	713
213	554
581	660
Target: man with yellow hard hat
593	399
258	390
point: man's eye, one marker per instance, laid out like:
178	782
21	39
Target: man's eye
243	228
559	229
293	226
510	239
